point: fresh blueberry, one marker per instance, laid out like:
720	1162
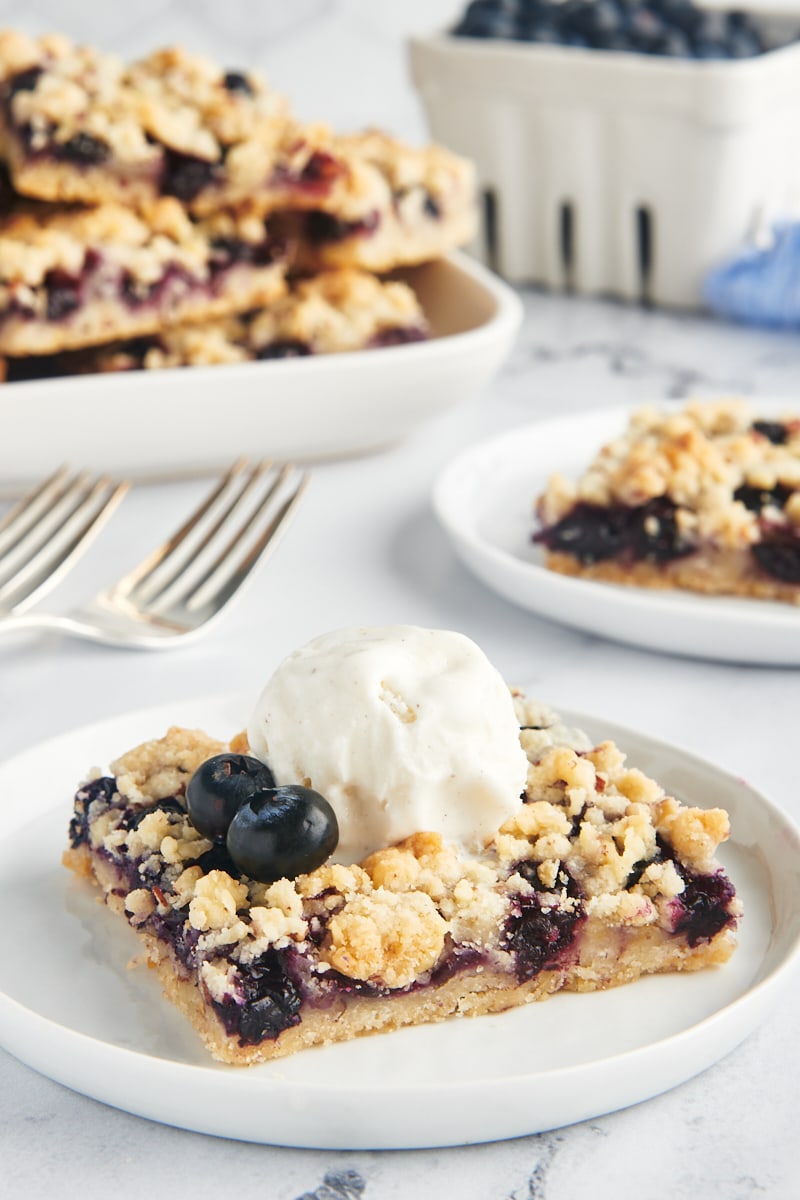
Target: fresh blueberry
282	832
218	789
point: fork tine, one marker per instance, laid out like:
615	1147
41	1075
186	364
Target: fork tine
225	578
184	578
29	508
48	560
138	578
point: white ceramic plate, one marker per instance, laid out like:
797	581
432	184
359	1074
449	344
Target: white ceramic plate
70	1008
150	424
484	499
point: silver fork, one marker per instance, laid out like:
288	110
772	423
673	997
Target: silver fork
45	533
179	589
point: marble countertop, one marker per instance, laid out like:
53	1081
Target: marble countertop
365	548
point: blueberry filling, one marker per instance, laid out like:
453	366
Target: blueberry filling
134	816
236	81
270	1000
320	171
102	789
774	431
288	348
229	250
594	533
64	294
779	555
322	227
23	81
704	903
756	498
398	336
539	935
83	149
172	927
185	176
432	207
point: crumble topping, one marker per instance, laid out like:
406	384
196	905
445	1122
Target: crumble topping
390	937
37	240
411	174
170	97
162	767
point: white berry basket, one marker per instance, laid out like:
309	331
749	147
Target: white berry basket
617	173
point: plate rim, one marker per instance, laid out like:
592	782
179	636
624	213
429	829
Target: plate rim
727	1025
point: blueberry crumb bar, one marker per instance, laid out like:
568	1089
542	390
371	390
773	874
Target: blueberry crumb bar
599	878
80	126
79	277
706	499
330	313
404	205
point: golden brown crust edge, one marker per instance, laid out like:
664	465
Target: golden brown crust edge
712	574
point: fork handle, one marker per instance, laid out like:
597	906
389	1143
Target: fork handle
106	633
22	622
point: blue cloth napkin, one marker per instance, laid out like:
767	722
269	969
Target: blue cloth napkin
760	286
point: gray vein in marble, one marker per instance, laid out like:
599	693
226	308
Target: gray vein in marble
631	362
338	1185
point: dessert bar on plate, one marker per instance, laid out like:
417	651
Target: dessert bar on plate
333	312
77	277
397	839
80	126
706	499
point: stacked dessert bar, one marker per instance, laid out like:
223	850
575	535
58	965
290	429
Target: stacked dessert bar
170	212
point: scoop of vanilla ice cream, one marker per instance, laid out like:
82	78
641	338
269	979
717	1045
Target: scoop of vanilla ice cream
402	729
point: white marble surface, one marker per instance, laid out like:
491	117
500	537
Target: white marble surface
365	548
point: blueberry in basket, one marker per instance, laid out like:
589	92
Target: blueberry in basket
661	28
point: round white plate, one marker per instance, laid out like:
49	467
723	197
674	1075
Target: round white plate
71	1008
485	497
189	421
